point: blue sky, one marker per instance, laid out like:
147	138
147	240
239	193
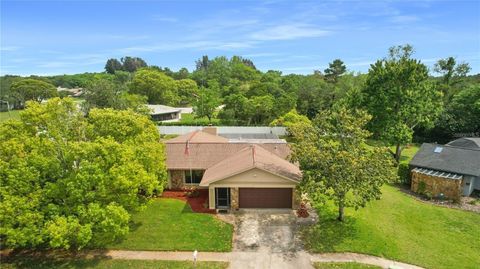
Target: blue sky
65	37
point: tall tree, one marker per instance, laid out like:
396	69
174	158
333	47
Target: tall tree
400	96
113	65
71	182
112	93
186	90
336	162
335	70
32	89
156	86
449	69
132	64
206	104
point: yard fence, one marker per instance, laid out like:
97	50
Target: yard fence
179	130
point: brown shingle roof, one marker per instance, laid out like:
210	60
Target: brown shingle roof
253	156
205	155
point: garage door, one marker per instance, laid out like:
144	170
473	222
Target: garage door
265	198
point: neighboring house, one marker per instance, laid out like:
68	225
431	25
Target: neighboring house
452	169
238	174
165	113
75	92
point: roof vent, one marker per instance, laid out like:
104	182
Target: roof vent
438	149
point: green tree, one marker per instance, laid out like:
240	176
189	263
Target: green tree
32	89
113	65
335	70
206	104
156	86
336	162
449	69
186	90
463	112
132	64
71	182
400	96
112	93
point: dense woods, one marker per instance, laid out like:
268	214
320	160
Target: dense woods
251	97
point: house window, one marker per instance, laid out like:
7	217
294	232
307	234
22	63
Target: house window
193	176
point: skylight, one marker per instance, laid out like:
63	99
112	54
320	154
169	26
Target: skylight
438	149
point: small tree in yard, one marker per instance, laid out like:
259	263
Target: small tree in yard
336	162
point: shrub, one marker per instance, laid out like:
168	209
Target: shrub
422	187
302	211
404	173
192	192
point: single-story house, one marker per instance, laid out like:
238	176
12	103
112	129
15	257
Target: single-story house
237	174
165	113
452	169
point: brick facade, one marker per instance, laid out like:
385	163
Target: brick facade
177	179
234	198
451	188
296	198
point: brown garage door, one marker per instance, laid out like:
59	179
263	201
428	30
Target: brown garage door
265	198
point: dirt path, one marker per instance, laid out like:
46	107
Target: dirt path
262	260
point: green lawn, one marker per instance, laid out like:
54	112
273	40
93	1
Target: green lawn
13	114
189	118
401	228
170	224
97	263
343	265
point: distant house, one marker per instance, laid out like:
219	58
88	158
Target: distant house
238	173
165	113
452	169
75	92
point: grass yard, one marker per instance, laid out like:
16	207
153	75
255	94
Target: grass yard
170	224
189	118
343	265
103	263
401	228
13	114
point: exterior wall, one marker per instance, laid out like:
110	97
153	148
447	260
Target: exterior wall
468	183
296	199
177	179
211	197
255	178
476	185
234	198
451	188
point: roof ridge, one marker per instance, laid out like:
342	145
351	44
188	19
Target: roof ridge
457	147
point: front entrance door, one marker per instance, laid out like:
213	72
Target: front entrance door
222	198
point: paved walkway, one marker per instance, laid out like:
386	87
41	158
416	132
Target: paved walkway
263	260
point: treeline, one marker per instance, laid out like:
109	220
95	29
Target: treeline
251	97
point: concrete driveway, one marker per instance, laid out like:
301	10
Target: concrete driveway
268	238
266	230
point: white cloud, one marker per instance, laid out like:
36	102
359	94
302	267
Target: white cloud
9	48
404	19
202	45
288	32
164	19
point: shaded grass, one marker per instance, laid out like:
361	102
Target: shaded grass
343	265
6	115
22	262
170	224
401	228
